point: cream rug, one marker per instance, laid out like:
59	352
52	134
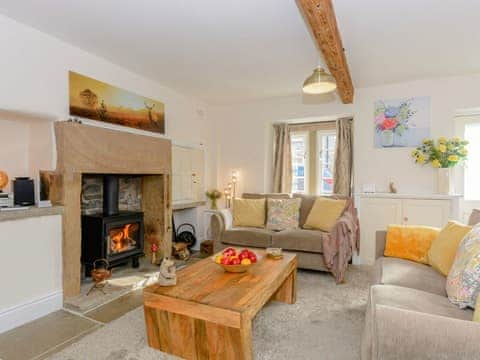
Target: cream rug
325	323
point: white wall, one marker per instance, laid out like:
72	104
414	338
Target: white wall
14	144
244	135
244	132
34	71
30	269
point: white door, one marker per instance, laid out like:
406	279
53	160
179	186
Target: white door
375	215
426	212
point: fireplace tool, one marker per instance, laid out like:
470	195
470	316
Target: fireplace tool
100	274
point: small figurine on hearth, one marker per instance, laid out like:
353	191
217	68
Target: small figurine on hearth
154	248
167	275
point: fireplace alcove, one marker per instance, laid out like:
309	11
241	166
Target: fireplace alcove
84	149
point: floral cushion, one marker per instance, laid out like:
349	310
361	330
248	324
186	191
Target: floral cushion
463	281
283	214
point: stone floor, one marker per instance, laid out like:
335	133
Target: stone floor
52	333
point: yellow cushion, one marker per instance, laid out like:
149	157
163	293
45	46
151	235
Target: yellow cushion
324	214
443	249
476	314
249	212
410	242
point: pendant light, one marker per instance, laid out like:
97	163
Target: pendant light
320	82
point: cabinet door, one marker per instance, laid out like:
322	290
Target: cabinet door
197	174
375	215
182	174
426	212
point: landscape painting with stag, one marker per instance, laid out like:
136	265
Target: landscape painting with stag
96	100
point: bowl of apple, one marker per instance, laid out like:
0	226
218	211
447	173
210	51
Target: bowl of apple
235	260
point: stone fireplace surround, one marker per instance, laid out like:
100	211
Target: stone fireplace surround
84	149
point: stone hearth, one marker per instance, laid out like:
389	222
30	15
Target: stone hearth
84	150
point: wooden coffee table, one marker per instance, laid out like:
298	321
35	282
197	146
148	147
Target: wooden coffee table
208	314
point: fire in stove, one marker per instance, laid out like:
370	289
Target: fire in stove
123	238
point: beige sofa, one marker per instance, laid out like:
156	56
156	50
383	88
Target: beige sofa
410	317
307	244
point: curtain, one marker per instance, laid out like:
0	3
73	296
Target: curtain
342	174
282	162
313	126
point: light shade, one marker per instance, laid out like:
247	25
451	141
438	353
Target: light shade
320	82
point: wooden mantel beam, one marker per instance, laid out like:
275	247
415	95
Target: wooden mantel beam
323	24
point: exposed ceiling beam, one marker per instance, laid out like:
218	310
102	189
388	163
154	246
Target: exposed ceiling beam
323	24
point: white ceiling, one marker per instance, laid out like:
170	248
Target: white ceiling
224	51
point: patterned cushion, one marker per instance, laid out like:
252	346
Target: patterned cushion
283	213
463	281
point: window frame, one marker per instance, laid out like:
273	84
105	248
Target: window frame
306	172
461	120
320	136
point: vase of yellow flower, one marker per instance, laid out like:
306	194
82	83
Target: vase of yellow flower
444	154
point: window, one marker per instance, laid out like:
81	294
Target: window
472	169
313	157
299	151
326	141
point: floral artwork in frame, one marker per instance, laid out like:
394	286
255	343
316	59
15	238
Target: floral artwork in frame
402	122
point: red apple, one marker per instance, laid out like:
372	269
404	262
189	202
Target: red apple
229	252
235	261
225	260
243	255
252	257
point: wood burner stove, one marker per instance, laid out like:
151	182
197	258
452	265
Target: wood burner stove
113	235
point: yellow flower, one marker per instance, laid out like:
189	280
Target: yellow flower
442	140
453	158
414	152
442	148
436	163
421	159
456	139
464	152
426	141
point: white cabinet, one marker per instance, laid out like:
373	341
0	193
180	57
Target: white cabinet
426	212
377	211
188	169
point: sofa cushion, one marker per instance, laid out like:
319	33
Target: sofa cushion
444	248
325	213
474	218
463	281
282	214
410	242
299	240
307	204
249	212
305	207
403	323
417	300
247	236
394	271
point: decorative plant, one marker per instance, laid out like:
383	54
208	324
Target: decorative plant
213	196
443	153
394	118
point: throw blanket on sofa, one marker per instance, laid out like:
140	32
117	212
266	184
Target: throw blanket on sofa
339	244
